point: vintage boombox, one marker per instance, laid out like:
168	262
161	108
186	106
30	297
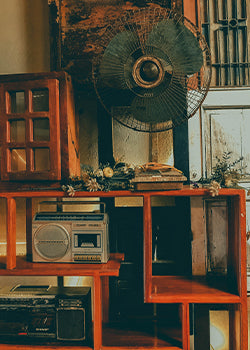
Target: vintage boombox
80	237
45	312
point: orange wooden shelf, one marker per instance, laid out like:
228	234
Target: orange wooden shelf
148	347
118	336
157	289
81	347
139	347
77	347
186	191
176	289
47	346
27	268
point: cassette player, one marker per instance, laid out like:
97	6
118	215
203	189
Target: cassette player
46	313
80	237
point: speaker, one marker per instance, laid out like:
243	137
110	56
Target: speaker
73	314
51	242
71	324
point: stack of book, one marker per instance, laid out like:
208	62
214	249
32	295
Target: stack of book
154	176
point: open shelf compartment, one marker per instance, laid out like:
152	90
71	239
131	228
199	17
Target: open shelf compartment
158	326
197	257
170	289
216	326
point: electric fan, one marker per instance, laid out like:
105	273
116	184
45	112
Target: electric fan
153	71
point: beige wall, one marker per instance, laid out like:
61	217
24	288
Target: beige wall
24	44
24	47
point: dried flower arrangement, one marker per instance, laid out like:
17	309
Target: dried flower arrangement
105	178
224	174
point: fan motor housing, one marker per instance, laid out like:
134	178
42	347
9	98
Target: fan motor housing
148	72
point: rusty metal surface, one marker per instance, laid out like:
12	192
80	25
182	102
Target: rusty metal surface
76	28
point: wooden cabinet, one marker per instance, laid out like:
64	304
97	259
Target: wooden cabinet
183	306
39	139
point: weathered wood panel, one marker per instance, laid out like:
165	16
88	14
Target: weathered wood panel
217	241
77	26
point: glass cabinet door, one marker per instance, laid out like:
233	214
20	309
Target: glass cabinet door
30	130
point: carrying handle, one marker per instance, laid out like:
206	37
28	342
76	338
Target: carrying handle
60	204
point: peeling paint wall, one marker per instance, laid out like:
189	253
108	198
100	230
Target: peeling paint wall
221	126
88	132
82	24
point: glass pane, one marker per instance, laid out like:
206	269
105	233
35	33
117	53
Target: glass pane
17	130
18	160
40	100
41	129
41	159
17	101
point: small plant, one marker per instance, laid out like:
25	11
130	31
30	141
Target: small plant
225	172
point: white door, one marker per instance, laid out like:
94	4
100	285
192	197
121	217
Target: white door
223	125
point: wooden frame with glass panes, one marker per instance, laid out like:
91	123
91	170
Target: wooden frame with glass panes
30	130
39	127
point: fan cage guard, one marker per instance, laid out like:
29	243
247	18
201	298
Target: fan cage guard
140	22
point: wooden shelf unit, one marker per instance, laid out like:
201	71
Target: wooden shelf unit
27	268
42	347
183	290
177	289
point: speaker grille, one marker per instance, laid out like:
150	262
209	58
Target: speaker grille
71	324
51	242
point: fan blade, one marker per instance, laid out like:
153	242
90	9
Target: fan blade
179	43
116	64
170	105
